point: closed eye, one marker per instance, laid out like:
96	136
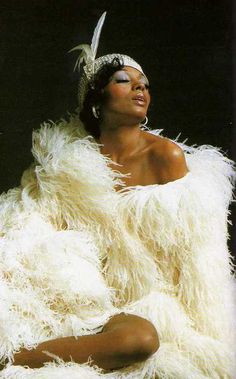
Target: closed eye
122	80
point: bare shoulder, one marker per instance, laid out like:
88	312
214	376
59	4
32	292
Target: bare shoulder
168	151
163	148
168	157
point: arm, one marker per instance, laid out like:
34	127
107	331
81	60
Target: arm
135	339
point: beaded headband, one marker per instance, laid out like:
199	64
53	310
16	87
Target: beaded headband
93	65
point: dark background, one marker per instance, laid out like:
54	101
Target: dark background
185	47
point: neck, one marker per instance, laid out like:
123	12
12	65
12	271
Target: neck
120	142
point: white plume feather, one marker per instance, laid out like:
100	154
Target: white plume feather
88	53
85	56
96	34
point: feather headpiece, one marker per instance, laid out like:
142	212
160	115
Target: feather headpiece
91	64
89	52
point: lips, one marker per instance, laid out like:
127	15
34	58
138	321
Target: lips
140	99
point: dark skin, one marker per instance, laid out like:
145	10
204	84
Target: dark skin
125	339
154	160
149	159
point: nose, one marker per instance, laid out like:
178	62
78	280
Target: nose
139	86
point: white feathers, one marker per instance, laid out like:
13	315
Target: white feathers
86	55
96	34
89	52
74	252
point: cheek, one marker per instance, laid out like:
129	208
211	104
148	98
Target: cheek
115	94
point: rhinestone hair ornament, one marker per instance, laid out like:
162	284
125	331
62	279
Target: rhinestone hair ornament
93	65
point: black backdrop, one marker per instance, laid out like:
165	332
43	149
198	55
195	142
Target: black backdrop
185	47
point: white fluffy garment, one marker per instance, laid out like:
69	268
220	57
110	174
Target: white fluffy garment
74	252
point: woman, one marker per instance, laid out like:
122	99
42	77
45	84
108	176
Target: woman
124	236
123	105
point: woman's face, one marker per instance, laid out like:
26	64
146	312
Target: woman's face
126	96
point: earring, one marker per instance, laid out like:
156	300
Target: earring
145	122
95	111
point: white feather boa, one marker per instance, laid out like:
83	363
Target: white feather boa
74	252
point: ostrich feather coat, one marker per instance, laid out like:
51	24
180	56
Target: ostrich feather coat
74	252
